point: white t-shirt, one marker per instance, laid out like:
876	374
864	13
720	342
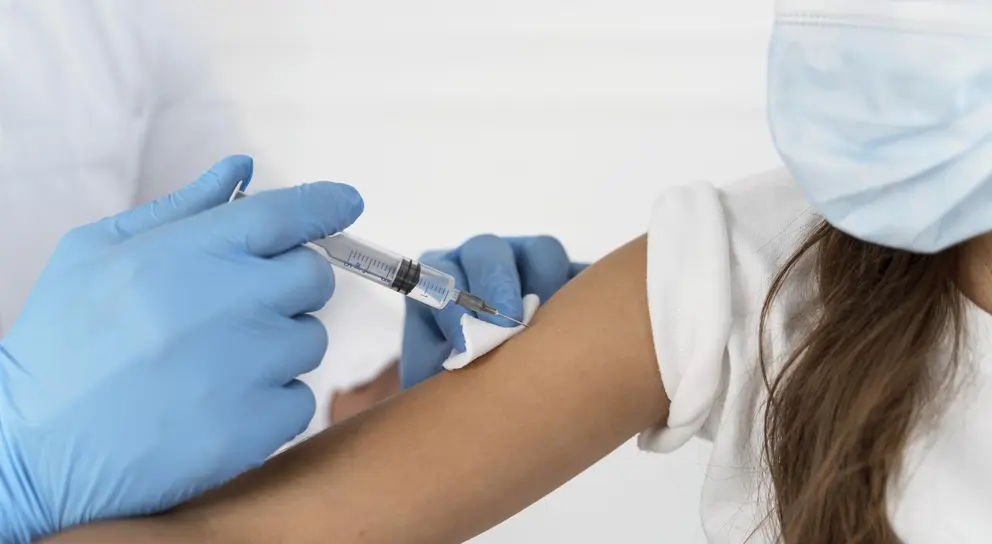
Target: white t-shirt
712	253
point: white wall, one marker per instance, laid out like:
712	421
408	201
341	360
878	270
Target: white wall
515	117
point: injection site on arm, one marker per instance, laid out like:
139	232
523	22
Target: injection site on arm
459	453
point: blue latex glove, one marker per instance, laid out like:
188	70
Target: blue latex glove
501	271
158	353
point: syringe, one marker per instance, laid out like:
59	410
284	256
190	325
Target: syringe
388	269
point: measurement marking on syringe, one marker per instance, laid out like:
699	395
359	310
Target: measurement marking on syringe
434	287
365	263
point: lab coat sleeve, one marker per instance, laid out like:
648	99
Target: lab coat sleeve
191	125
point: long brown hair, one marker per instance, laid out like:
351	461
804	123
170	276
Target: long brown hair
845	404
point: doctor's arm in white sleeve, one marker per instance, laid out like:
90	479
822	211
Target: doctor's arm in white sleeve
191	124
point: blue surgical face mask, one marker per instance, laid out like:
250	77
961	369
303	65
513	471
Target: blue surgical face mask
882	111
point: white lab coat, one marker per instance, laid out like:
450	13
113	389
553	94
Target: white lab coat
104	104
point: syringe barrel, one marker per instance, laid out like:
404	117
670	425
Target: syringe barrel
419	282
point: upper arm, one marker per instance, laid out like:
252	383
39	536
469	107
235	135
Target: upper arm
465	450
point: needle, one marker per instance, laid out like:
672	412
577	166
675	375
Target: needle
524	325
471	302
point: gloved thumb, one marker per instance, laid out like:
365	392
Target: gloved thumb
273	222
211	189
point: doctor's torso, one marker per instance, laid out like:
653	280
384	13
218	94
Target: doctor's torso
76	92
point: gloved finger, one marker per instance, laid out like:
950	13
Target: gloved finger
449	318
491	269
211	189
269	418
577	268
300	407
543	264
300	282
288	348
284	415
273	222
424	346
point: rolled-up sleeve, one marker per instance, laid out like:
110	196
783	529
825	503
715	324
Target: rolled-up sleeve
689	301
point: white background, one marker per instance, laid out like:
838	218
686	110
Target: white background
457	117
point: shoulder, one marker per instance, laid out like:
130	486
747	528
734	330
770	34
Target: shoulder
151	38
766	214
727	237
752	213
136	15
120	41
120	24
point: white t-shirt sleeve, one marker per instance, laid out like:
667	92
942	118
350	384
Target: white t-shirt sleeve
689	304
712	253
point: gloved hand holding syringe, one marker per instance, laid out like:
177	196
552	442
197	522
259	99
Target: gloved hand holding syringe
401	274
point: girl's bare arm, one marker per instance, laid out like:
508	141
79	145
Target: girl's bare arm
461	452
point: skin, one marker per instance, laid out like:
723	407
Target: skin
460	452
976	280
345	404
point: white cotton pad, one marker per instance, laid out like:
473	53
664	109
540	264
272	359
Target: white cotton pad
482	337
